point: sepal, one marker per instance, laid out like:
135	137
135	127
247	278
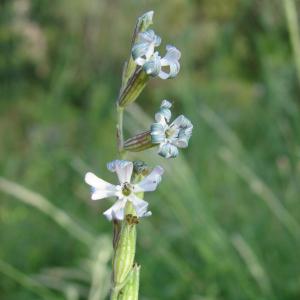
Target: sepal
139	142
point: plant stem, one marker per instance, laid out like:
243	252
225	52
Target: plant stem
114	294
120	134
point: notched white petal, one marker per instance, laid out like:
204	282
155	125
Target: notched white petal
123	168
98	183
171	61
167	150
143	49
150	182
100	194
166	104
153	65
140	206
116	212
124	171
164	114
157	132
185	128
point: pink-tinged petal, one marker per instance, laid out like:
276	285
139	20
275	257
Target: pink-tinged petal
124	171
149	183
116	211
123	168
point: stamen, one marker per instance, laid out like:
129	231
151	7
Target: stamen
126	189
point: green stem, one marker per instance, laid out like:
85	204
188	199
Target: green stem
114	294
120	134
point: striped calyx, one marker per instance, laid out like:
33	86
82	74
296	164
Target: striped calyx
139	142
133	87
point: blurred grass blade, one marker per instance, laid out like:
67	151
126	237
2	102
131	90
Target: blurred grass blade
263	191
230	156
72	290
26	281
41	203
293	28
252	262
224	132
100	281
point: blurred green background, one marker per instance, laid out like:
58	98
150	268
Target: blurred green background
226	216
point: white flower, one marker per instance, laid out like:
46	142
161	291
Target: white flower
144	55
173	136
125	191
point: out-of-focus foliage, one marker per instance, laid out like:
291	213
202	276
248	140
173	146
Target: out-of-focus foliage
226	217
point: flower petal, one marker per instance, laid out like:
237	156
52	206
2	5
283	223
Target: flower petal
98	183
116	211
150	182
185	128
168	150
140	205
152	66
144	48
164	112
100	194
123	168
182	122
166	104
170	59
157	132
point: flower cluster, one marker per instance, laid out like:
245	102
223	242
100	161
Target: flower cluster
126	190
144	62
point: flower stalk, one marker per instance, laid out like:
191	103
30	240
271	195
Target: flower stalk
135	178
120	130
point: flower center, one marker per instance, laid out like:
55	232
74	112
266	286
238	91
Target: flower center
126	189
170	132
